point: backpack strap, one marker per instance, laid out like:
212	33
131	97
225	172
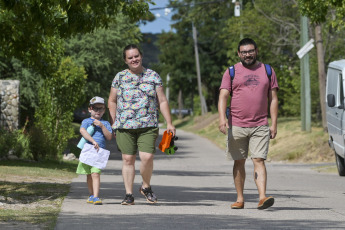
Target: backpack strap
268	71
232	75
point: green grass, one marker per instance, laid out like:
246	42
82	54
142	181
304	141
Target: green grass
48	169
33	192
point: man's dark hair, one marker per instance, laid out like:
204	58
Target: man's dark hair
130	47
246	41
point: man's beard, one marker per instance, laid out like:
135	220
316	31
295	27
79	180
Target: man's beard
249	62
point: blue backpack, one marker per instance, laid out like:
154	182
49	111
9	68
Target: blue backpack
268	69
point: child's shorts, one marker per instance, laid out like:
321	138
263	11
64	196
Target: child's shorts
87	169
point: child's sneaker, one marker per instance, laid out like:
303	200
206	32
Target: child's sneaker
97	201
90	199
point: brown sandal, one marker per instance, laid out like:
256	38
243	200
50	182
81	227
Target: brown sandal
266	202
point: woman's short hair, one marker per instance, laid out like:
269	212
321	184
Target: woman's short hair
130	47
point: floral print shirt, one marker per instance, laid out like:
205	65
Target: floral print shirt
137	104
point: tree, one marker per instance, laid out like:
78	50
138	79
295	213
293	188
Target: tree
274	28
33	35
26	25
177	60
30	77
58	98
100	53
178	52
317	11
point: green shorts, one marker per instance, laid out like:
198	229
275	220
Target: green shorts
129	141
87	169
242	140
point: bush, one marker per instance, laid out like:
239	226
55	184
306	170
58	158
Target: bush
7	140
21	147
16	142
39	143
61	95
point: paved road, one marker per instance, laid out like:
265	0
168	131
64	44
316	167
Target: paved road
195	189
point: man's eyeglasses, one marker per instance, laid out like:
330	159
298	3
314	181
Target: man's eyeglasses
250	52
96	109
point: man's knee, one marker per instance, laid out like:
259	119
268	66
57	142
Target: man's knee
259	161
239	163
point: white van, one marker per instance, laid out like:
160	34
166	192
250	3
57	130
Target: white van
335	113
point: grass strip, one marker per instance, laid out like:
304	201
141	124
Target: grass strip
31	193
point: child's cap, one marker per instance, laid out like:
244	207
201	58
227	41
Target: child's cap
96	100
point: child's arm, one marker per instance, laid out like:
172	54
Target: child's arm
105	131
88	137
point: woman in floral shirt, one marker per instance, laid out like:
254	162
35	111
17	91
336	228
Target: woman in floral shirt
136	95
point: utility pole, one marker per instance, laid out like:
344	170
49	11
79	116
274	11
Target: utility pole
202	99
322	72
305	80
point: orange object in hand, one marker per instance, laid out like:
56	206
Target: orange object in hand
167	144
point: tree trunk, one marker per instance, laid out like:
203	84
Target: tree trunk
322	72
180	104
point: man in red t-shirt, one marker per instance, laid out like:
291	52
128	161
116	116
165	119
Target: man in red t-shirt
248	130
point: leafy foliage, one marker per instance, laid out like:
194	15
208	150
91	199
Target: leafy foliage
30	82
58	98
6	142
178	57
274	25
15	142
318	10
100	53
26	25
275	29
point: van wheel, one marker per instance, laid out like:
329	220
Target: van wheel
340	164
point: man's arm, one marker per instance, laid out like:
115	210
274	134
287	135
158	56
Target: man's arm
165	110
273	103
223	98
112	104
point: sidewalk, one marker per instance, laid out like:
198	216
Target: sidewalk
191	184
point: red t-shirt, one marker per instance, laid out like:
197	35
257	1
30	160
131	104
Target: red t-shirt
249	102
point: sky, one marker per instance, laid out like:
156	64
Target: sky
162	21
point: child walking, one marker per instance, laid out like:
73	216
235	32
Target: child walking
102	131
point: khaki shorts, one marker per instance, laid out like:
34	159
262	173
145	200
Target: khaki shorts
129	141
87	169
242	140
